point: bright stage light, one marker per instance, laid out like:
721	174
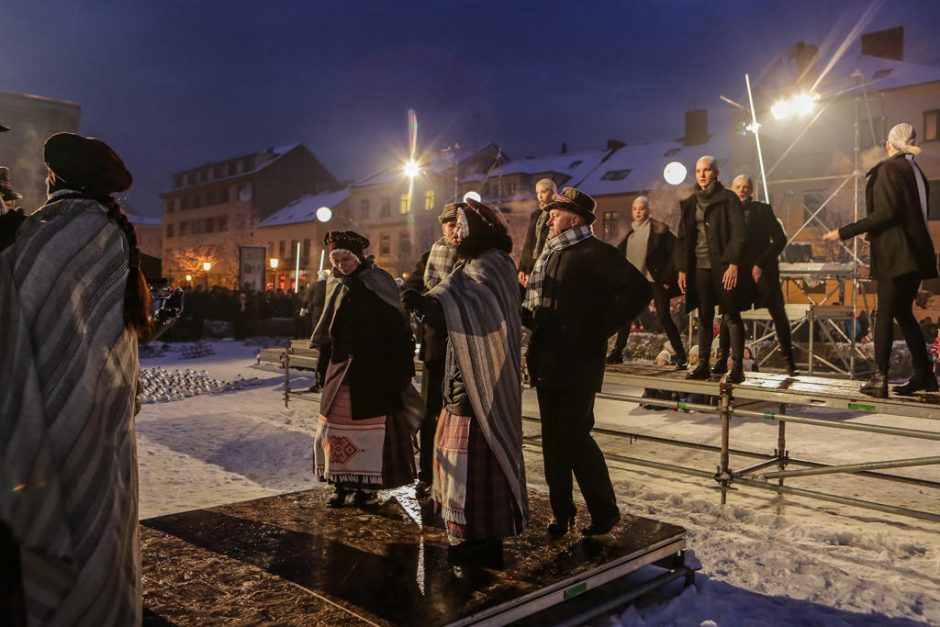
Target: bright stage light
412	169
474	195
799	105
324	214
674	173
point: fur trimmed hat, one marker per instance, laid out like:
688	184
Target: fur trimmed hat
346	240
575	201
86	163
449	214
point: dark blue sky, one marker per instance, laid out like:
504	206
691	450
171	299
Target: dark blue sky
172	84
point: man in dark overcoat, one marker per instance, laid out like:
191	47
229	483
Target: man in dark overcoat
902	255
765	241
537	231
709	249
649	245
580	291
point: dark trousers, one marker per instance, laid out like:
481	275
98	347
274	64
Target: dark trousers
567	447
771	296
12	599
432	382
896	303
661	300
710	293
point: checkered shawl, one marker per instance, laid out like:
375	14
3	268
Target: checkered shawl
481	308
440	263
533	295
68	451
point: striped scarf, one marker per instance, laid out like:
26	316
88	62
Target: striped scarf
533	295
481	308
67	437
441	262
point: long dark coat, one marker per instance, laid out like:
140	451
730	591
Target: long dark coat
592	289
378	339
526	260
900	241
660	254
765	241
724	228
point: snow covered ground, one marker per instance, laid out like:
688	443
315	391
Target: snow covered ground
766	559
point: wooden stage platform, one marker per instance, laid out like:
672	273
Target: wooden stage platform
290	559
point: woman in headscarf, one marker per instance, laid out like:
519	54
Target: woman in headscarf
73	304
902	255
364	439
479	475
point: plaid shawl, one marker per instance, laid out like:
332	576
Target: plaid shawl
533	295
68	456
440	263
481	308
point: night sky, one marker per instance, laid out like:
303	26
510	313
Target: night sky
172	84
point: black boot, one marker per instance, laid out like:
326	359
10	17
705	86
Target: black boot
721	363
737	372
876	386
338	498
792	370
615	356
919	382
559	527
702	372
682	362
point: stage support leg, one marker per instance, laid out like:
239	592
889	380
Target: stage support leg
782	454
812	332
287	377
723	476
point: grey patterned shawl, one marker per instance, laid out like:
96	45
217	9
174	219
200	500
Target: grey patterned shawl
67	438
481	308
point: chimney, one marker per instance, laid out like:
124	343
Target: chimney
887	44
696	127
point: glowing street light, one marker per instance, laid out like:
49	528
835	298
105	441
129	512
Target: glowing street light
207	266
273	261
799	105
412	169
674	173
474	195
324	214
189	278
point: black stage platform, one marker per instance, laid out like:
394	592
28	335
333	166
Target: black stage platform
290	559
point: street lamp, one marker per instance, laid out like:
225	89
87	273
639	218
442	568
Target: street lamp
799	105
674	173
412	169
189	279
474	195
207	266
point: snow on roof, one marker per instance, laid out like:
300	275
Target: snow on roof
639	167
577	165
879	74
304	209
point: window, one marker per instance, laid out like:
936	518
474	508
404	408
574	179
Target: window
386	209
610	224
209	225
169	230
404	205
184	203
270	249
429	200
217	172
232	170
364	209
281	247
615	175
404	243
306	252
247	164
932	125
222	223
293	248
197	201
184	227
384	245
170	205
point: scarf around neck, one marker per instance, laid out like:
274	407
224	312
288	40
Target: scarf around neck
533	295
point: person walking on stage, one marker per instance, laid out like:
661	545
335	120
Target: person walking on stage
765	241
479	474
580	291
650	246
902	255
537	232
73	305
432	268
709	250
363	440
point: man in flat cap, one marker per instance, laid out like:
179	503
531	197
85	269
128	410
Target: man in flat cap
432	268
580	291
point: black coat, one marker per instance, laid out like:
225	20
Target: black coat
433	341
526	261
593	289
378	339
724	228
900	241
660	254
765	239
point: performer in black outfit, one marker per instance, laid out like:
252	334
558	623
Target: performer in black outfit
902	255
765	241
709	248
650	246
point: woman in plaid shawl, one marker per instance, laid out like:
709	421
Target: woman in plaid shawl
479	477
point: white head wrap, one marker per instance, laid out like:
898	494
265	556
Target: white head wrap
902	137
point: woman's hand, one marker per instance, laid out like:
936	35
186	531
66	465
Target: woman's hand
832	236
730	278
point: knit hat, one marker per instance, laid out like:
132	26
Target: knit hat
902	137
86	163
346	240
